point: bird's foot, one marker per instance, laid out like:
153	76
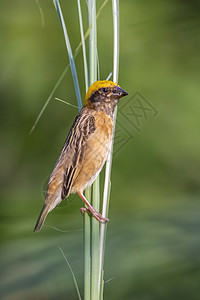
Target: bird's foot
83	210
94	213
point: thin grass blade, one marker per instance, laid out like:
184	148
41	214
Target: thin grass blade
70	54
49	98
83	45
65	102
73	275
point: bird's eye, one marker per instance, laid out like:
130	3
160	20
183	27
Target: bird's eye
104	90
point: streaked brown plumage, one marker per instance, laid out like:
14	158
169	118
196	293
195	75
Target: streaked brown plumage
85	150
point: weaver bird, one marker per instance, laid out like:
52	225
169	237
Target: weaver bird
85	150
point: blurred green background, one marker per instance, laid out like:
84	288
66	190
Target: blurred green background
153	241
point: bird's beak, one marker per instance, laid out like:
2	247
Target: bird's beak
119	93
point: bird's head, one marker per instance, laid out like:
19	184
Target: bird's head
104	95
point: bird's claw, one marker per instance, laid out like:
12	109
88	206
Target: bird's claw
95	214
84	209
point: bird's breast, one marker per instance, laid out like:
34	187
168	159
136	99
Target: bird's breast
104	124
96	151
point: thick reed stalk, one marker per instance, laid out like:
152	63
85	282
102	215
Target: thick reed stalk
86	218
87	250
107	183
95	188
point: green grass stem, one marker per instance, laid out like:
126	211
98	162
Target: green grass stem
107	182
95	188
70	54
87	249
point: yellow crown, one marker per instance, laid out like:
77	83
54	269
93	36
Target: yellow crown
96	86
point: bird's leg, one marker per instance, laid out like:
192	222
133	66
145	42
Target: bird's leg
91	210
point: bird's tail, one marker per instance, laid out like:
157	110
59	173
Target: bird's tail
43	214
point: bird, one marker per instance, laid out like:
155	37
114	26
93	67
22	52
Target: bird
85	150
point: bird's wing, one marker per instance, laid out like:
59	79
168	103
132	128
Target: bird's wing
67	165
83	126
